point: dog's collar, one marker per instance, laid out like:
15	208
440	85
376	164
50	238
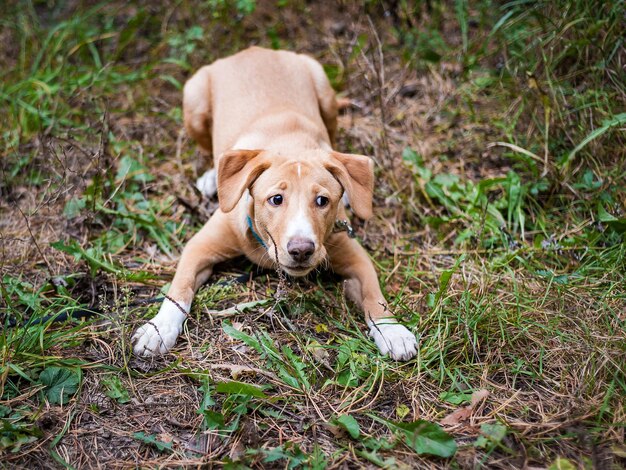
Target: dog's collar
254	234
344	226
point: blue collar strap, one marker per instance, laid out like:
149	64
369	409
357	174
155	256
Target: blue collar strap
256	235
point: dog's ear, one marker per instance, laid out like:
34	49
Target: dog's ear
356	174
236	171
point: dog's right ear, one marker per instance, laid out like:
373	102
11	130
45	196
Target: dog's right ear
355	173
236	171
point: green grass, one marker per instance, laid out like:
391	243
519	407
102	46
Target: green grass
498	236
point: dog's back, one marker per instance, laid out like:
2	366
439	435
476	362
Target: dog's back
245	90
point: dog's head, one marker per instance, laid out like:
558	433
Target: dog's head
295	198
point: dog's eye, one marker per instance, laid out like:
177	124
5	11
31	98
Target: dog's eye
321	201
276	200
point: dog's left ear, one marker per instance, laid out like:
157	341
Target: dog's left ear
236	171
356	174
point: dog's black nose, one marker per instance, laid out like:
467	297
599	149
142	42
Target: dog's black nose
300	249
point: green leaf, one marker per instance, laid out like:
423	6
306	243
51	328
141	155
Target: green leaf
60	383
73	207
114	388
402	410
288	451
299	368
132	169
373	457
415	160
456	398
604	216
492	435
14	435
245	7
350	424
425	437
619	225
562	464
95	263
240	388
241	336
213	419
152	440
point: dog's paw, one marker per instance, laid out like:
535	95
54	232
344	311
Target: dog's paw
159	335
393	339
207	183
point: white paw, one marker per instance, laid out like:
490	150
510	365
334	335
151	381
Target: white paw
393	339
159	335
207	183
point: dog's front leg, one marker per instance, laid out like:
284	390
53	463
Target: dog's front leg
212	244
350	260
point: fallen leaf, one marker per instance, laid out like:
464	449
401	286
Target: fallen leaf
320	354
463	413
321	328
236	370
237	451
165	437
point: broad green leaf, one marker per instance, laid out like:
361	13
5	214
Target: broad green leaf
239	388
60	383
132	169
422	436
425	437
456	398
604	216
350	424
492	435
619	225
213	419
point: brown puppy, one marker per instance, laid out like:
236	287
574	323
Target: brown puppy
270	117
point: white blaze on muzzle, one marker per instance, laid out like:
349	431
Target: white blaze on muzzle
300	226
